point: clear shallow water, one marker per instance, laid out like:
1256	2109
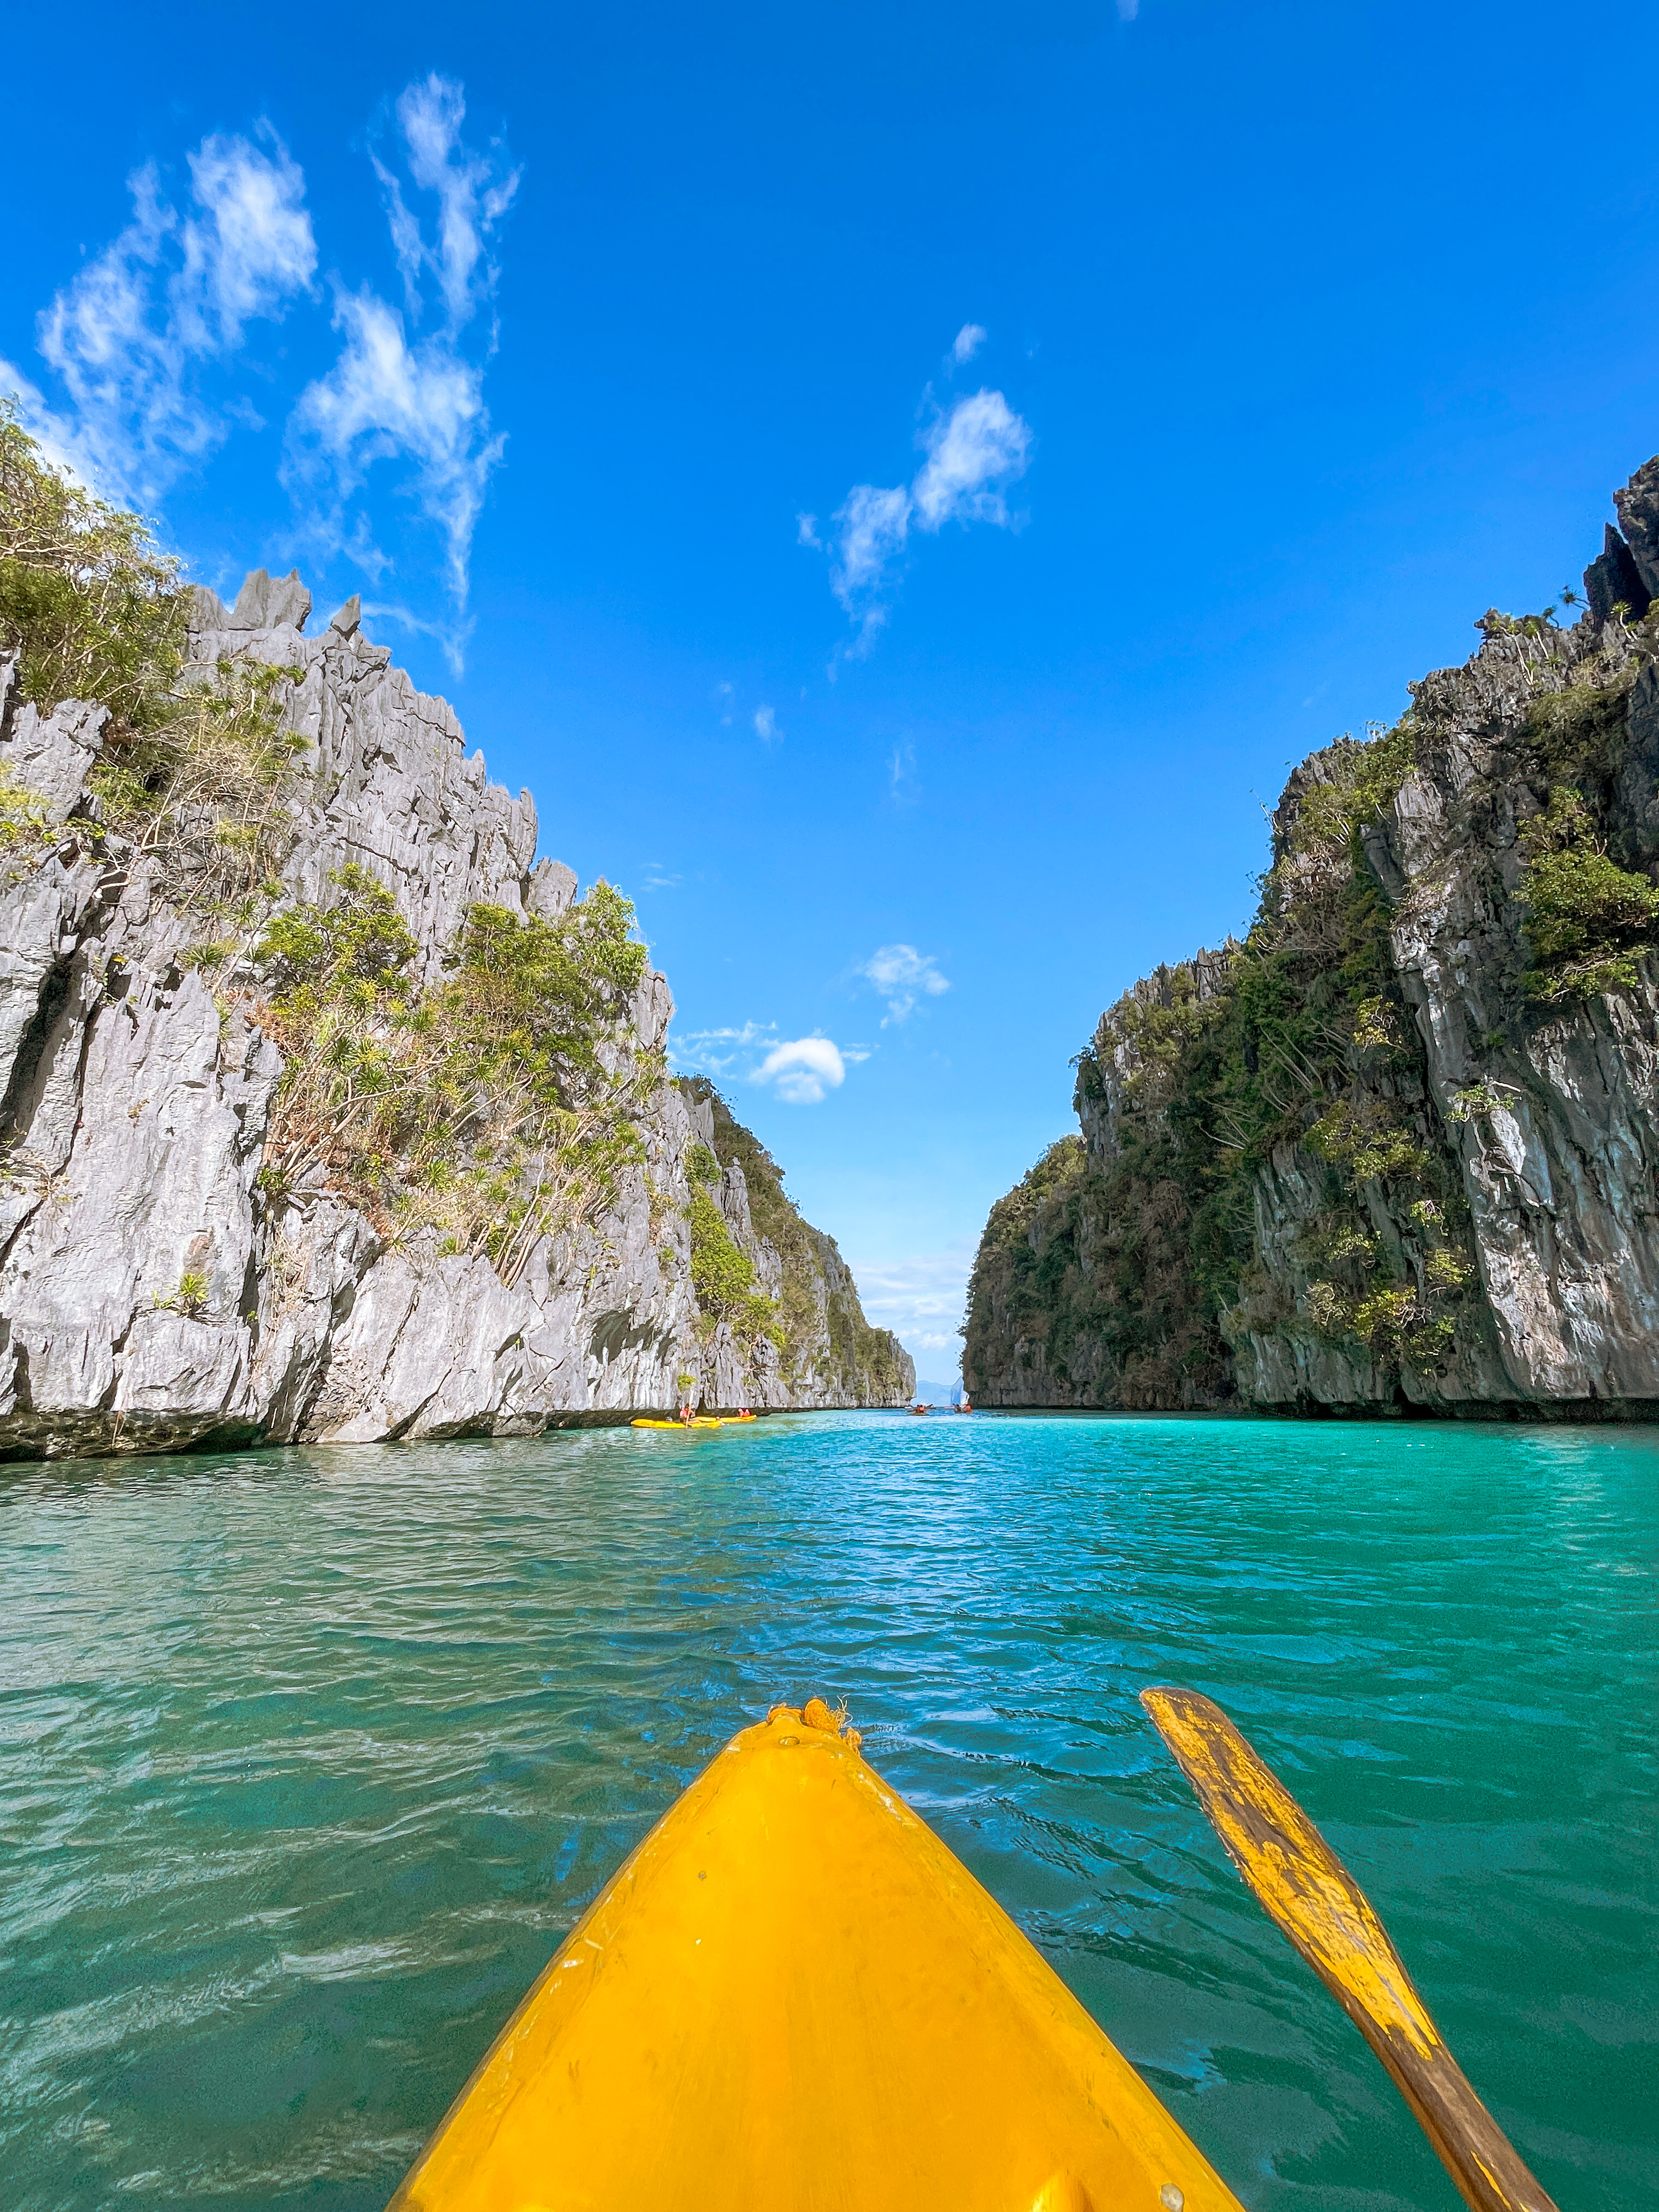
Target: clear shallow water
308	1759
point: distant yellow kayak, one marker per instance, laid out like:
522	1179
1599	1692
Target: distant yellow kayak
703	1421
793	1997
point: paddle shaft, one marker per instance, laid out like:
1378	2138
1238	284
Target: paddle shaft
1314	1899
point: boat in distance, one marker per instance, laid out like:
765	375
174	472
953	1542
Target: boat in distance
793	1995
697	1421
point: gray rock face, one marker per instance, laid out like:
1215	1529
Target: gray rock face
151	1297
1560	1171
1638	516
393	788
1538	1116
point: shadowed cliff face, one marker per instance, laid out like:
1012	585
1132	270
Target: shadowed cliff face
1398	1147
175	1265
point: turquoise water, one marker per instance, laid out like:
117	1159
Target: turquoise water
309	1759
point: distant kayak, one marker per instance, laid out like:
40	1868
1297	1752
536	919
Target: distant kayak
793	1995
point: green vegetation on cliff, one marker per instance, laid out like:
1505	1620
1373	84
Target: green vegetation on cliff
722	1277
818	1320
482	1105
1263	1156
89	604
196	768
1124	1261
493	1106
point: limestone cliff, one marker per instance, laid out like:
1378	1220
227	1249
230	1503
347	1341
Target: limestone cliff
275	1161
820	1349
1397	1148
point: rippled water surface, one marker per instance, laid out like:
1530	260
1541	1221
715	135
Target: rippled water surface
308	1759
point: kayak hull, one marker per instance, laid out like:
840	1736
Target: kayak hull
793	1996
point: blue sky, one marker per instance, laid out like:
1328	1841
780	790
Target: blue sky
899	484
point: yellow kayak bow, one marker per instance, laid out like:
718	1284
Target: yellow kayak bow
793	1997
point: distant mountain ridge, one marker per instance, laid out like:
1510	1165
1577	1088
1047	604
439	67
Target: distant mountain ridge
937	1393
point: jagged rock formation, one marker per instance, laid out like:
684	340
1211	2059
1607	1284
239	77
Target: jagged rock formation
1398	1148
157	1290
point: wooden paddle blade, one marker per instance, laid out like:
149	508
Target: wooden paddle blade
1319	1905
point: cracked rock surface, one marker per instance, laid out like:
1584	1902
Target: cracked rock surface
134	1112
1541	1109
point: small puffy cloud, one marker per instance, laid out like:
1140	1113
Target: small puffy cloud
130	336
968	340
806	532
980	445
800	1069
972	454
766	725
414	402
903	976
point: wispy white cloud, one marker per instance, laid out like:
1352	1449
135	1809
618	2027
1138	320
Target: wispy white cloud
717	1051
131	336
766	725
59	439
972	454
903	976
921	1299
248	248
386	400
1127	10
419	402
806	531
801	1069
968	340
872	527
450	637
474	191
